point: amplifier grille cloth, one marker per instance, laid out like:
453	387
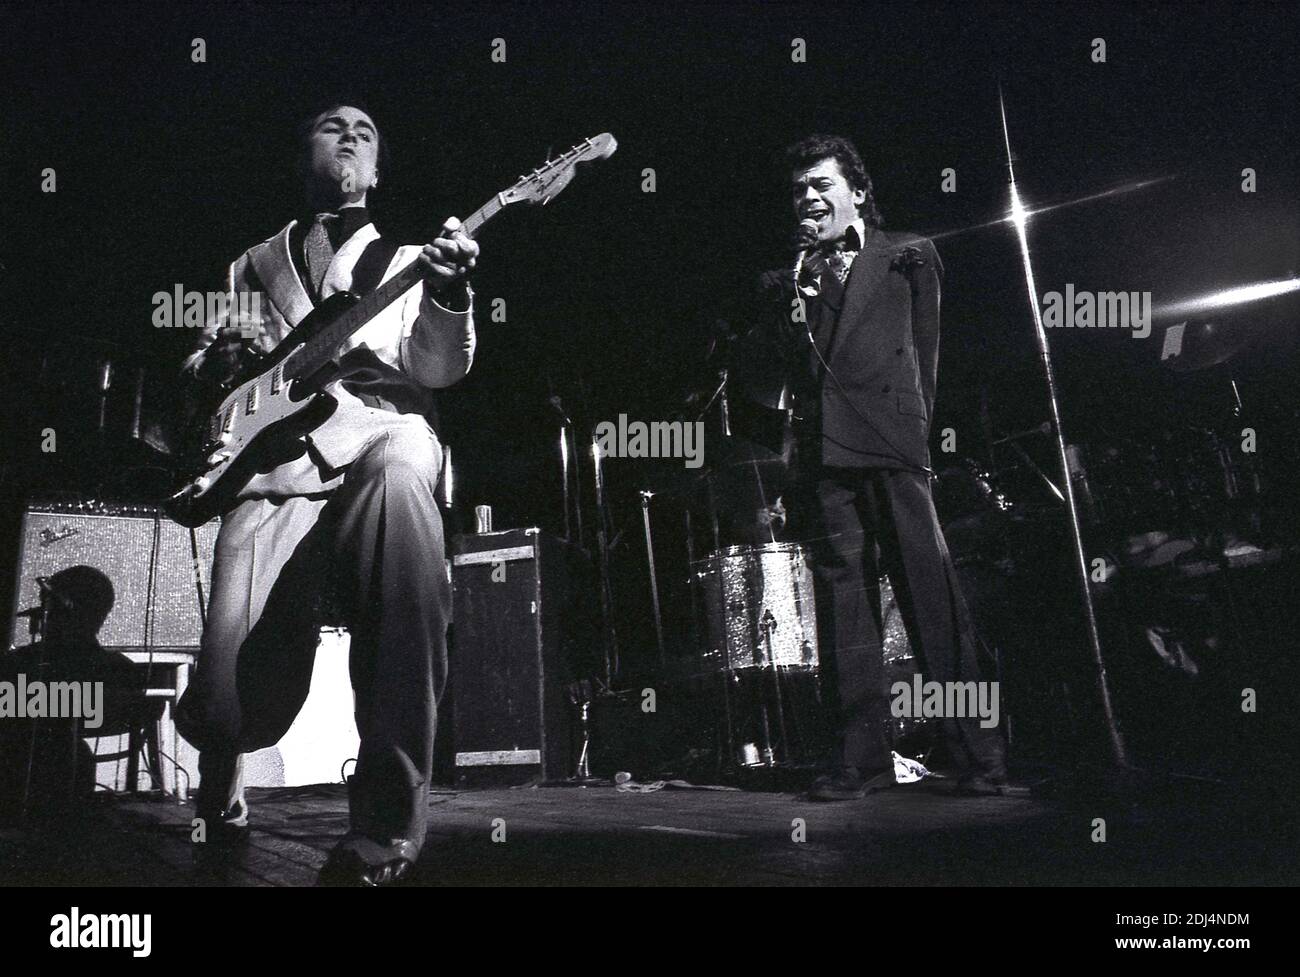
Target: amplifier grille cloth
123	549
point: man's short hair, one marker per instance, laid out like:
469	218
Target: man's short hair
308	124
815	148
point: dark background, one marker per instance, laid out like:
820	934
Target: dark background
167	170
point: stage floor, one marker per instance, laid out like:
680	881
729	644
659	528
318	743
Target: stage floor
915	834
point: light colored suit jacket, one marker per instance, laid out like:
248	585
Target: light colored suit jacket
431	344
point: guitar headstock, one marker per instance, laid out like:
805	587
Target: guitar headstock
546	182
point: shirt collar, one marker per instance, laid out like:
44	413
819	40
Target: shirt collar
350	219
855	235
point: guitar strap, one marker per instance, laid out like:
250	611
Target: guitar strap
274	269
363	374
370	267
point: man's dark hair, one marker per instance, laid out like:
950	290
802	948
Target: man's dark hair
307	124
807	152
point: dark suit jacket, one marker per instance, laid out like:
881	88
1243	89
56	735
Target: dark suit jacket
879	333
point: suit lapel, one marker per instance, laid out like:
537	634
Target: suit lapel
275	270
868	271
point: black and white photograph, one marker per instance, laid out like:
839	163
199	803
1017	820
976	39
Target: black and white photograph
584	445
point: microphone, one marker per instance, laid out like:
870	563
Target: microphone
805	237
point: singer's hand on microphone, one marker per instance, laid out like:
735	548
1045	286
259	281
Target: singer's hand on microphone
805	235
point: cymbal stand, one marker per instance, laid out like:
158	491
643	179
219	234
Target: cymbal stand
609	636
654	579
769	625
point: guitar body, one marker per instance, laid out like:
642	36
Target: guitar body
257	424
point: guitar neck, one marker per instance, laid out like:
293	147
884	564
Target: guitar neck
322	347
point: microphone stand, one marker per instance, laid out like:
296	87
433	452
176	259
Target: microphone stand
564	473
1019	218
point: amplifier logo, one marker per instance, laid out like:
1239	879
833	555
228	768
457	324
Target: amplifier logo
49	537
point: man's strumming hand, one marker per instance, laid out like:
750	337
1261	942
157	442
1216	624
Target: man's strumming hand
451	256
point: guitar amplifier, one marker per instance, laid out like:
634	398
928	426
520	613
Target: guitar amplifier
146	559
511	658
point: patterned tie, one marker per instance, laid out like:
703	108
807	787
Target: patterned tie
318	250
841	262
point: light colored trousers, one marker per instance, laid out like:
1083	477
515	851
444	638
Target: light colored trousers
374	547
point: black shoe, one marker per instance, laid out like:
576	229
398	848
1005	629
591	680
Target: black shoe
846	784
361	861
989	784
221	851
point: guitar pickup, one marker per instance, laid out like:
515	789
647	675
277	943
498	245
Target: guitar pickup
254	399
276	380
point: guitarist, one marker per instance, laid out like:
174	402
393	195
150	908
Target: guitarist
344	514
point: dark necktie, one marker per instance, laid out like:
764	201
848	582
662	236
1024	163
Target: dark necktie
319	250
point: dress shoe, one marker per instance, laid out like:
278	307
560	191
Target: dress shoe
219	853
847	784
364	862
989	784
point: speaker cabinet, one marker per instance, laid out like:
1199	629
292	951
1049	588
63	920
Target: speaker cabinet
509	664
146	558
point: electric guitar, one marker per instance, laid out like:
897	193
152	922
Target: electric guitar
281	395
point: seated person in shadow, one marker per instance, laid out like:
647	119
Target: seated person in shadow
45	765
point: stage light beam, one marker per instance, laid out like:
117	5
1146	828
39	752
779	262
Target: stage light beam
1227	297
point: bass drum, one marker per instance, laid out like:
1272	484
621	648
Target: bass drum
911	735
759	606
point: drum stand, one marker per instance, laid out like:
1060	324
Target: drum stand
609	636
769	625
654	579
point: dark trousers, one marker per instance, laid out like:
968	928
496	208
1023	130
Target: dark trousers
867	520
376	547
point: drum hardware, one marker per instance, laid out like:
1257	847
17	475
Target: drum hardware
583	769
609	637
581	695
646	495
768	626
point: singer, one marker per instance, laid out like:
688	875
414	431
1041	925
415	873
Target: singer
855	341
348	516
